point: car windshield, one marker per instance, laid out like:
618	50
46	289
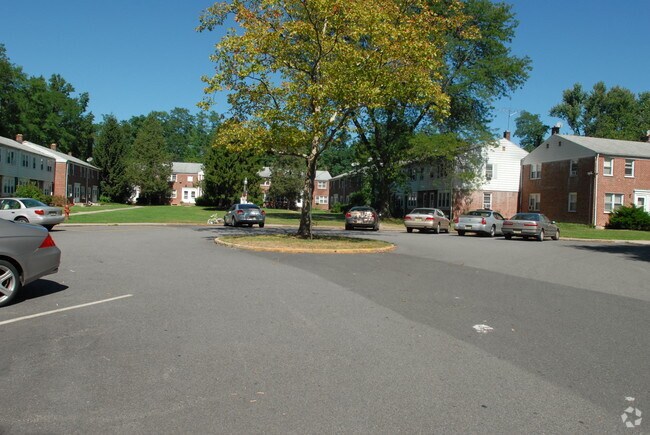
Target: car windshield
525	217
479	213
423	211
29	203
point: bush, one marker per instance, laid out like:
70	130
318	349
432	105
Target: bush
32	191
629	218
58	201
339	207
105	199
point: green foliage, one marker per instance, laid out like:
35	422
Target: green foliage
286	182
629	218
530	130
615	113
32	191
150	165
110	154
225	172
44	111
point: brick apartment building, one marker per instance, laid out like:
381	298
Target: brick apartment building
583	179
185	183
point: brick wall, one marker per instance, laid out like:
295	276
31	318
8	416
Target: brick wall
505	203
619	183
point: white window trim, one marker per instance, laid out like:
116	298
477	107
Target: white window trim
613	203
573	195
626	161
534	200
611	167
573	168
489	203
535	171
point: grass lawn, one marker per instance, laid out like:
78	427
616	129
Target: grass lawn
120	213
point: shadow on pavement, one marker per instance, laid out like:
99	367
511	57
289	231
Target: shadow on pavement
39	288
634	252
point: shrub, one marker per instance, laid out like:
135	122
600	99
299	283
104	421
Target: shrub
629	218
104	199
338	207
57	201
31	191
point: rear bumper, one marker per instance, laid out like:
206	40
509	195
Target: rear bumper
44	262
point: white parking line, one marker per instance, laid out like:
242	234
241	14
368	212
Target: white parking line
18	319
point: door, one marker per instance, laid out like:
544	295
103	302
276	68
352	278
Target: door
642	199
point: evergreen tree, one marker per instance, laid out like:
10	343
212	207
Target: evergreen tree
110	155
150	164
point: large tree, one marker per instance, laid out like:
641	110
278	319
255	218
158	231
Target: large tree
478	68
615	113
299	70
530	130
150	164
110	155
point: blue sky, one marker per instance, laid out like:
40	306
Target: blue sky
135	56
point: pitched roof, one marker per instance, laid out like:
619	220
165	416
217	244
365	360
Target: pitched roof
612	147
323	176
57	155
12	143
186	168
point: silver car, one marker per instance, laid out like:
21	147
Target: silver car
485	222
530	225
27	252
362	217
426	219
245	214
29	210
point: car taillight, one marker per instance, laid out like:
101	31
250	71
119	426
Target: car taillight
48	242
240	212
374	216
456	220
429	218
507	223
407	218
483	221
39	211
348	214
530	224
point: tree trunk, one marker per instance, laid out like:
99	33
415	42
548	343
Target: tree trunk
304	230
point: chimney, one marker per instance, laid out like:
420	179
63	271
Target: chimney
556	128
53	147
646	138
70	153
19	138
506	135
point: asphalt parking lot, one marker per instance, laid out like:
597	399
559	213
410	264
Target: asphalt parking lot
152	328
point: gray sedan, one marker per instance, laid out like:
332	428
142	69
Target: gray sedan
27	252
29	210
244	214
426	219
486	222
530	225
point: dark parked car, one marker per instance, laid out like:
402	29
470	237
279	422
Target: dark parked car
529	225
27	252
485	222
362	217
29	210
245	214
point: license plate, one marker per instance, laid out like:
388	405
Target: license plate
418	218
516	231
468	227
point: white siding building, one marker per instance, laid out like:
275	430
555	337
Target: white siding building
21	165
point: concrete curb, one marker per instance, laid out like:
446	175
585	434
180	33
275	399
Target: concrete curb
218	241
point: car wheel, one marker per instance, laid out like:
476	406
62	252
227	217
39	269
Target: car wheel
437	229
376	228
261	224
507	236
557	235
348	227
9	282
22	219
409	230
461	233
540	237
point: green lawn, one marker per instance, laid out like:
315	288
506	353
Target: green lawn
200	215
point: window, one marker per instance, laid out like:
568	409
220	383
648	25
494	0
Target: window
573	169
186	194
190	178
489	171
322	184
321	199
413	200
33	162
443	200
25	161
629	168
487	201
613	201
573	202
608	167
533	202
174	194
535	171
10	157
172	177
